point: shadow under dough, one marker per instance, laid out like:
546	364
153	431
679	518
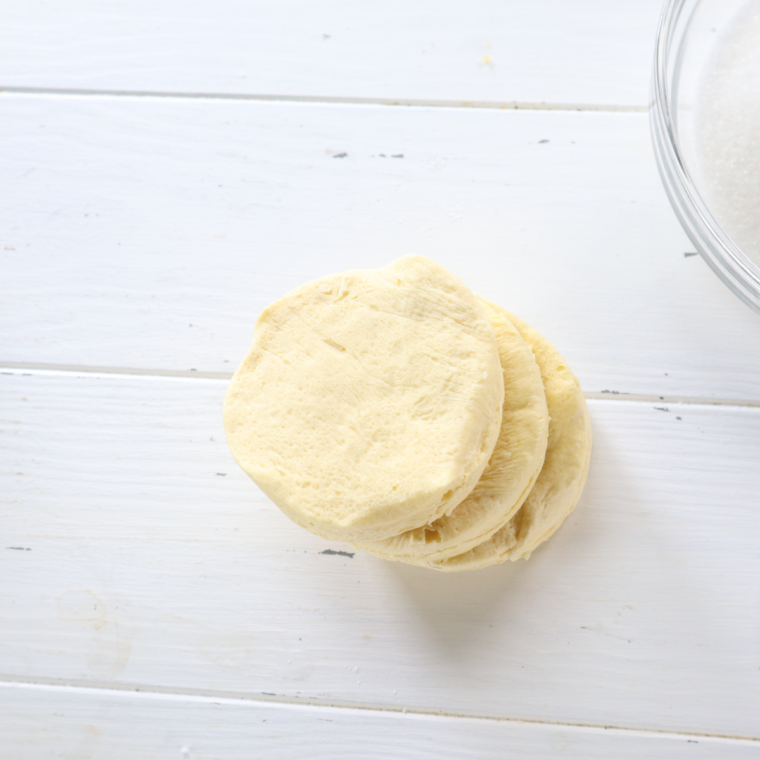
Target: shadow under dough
458	608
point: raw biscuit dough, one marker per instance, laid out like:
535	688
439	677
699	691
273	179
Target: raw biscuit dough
370	401
560	483
511	472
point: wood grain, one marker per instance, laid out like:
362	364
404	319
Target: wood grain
135	552
545	51
41	722
149	233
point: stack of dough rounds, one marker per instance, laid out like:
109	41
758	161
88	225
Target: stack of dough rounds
393	409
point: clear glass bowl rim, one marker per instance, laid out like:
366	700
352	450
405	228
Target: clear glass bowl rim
717	249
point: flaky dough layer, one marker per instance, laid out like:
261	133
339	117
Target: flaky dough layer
561	480
511	472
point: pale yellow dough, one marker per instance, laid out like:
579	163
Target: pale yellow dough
511	472
560	483
370	401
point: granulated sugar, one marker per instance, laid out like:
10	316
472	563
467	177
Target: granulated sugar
727	130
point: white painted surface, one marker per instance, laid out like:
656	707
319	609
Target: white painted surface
93	723
151	232
147	233
587	51
146	557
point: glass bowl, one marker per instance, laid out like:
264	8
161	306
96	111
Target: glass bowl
685	38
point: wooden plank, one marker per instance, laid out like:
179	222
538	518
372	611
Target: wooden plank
548	51
135	552
150	232
42	722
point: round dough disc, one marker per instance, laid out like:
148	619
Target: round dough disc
511	472
370	401
560	482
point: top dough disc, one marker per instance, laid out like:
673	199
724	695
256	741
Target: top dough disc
560	482
370	401
511	472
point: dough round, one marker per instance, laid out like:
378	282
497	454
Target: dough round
560	482
511	472
370	401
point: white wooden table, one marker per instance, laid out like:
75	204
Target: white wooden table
170	168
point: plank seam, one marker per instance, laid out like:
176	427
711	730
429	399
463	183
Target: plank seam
266	698
16	367
653	399
508	105
30	368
